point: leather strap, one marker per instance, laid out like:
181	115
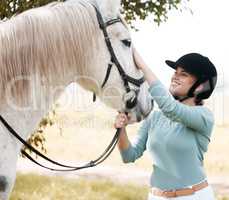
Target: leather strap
89	164
179	192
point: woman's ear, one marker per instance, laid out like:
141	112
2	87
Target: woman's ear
199	89
203	87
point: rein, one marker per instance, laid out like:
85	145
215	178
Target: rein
91	163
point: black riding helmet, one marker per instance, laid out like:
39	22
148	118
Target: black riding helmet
201	67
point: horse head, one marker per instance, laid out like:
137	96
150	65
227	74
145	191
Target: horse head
120	84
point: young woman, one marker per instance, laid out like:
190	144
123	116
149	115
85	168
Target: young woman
177	135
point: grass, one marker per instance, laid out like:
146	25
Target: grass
37	187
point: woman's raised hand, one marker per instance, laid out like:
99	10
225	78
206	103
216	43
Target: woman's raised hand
139	62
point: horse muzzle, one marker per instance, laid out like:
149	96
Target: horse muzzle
139	107
130	99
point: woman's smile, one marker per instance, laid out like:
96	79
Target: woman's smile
175	83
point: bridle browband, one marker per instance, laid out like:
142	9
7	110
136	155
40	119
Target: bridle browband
126	80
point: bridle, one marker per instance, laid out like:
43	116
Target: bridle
131	102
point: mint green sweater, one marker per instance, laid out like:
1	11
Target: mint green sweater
176	136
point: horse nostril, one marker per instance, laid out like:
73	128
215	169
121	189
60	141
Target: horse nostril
131	103
130	99
139	118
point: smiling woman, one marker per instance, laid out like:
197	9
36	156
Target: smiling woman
178	135
196	74
181	82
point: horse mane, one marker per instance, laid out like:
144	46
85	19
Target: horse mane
46	43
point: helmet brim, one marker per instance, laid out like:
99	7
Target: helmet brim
171	64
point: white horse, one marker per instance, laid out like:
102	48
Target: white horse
42	51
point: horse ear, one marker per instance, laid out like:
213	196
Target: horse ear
109	8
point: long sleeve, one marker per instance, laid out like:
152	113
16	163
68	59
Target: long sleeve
198	118
138	146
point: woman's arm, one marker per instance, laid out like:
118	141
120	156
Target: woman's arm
197	118
123	142
131	151
148	73
121	122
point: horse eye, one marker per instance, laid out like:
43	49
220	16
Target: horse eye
126	42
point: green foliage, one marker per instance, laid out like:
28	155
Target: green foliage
9	8
132	9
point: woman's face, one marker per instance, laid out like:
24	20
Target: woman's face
181	82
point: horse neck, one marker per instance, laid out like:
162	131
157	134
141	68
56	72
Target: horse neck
84	52
64	51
